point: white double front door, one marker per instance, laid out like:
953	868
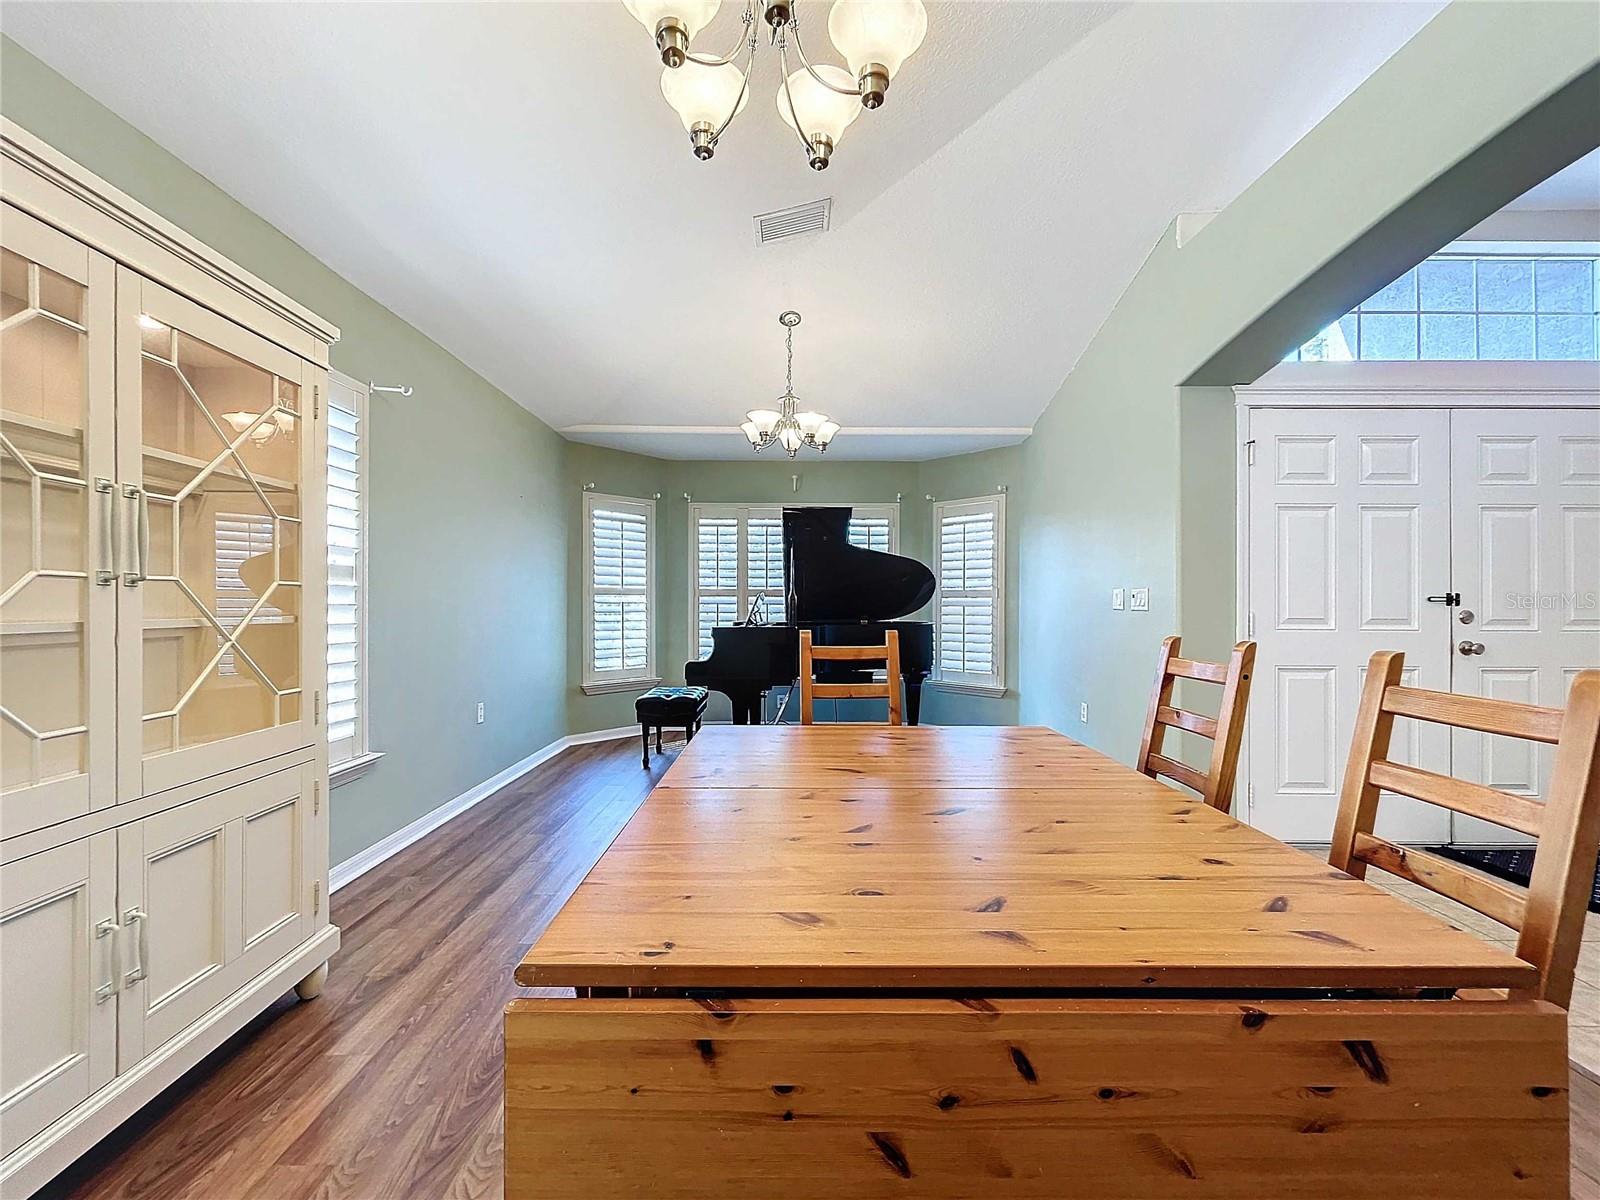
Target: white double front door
1468	538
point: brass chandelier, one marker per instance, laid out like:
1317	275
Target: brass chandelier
817	102
783	425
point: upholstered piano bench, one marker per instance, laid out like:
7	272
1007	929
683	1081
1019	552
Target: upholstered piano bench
680	707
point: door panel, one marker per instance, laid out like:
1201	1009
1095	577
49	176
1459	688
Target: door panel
1346	543
57	577
219	476
212	892
58	980
1525	518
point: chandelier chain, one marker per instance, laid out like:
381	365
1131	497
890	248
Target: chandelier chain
789	372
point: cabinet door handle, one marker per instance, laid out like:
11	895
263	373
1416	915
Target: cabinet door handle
141	965
110	986
105	575
141	535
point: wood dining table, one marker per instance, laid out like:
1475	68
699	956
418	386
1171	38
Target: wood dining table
842	961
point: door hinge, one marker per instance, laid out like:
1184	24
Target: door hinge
316	898
316	707
316	798
316	402
1250	453
1250	625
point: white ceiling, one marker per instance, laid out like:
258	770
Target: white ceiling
508	178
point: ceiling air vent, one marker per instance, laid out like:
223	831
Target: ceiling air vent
794	222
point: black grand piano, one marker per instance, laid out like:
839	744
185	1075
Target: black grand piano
845	595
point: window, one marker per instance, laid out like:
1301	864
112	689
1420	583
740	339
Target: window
969	605
348	746
1473	307
737	552
619	614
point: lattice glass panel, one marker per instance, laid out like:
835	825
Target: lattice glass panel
44	507
222	625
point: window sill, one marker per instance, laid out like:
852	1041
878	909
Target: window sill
608	686
352	768
990	690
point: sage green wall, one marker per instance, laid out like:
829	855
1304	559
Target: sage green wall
1129	476
765	481
468	527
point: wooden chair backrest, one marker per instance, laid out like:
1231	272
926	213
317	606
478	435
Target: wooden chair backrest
1215	784
1549	913
811	690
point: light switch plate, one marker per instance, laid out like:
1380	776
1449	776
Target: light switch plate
1083	712
480	712
1139	599
1116	599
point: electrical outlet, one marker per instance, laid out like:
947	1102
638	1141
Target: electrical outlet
1083	712
480	712
1139	599
1116	599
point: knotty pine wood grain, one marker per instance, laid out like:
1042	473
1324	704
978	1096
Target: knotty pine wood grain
1123	882
224	1131
795	756
1118	1100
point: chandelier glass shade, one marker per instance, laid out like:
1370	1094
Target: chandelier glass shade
787	425
818	102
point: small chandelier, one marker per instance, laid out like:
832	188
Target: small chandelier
790	429
817	102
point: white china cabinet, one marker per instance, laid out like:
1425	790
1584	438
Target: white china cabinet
163	760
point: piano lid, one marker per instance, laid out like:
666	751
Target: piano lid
828	579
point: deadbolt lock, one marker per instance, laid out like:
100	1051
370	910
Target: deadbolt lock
1465	616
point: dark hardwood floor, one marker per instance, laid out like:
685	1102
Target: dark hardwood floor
389	1084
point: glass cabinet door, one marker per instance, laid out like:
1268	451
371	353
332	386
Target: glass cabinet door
217	469
57	574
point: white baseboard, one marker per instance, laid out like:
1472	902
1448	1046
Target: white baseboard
358	865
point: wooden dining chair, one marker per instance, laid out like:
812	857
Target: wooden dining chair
811	690
1549	913
1215	784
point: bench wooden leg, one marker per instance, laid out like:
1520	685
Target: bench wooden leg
644	735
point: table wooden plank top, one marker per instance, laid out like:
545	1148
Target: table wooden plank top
973	858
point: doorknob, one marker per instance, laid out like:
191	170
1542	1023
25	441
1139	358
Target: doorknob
1470	647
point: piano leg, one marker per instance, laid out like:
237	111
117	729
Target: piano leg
913	700
746	707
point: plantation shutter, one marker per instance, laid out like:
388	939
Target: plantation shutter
239	536
969	606
764	538
619	558
716	577
870	533
346	604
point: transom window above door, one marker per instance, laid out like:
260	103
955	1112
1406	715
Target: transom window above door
1486	307
736	553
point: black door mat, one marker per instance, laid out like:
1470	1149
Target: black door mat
1508	862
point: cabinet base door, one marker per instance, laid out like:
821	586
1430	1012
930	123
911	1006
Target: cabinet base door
211	893
58	983
1114	1099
